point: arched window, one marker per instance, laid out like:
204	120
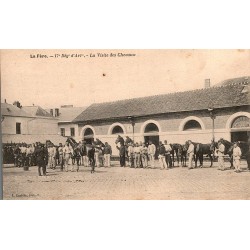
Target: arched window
151	128
192	125
117	130
241	122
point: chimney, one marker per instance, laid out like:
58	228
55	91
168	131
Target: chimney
56	112
207	83
17	104
51	112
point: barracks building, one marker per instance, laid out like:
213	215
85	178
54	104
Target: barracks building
221	111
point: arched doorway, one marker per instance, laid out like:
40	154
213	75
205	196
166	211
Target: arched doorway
88	135
240	129
151	133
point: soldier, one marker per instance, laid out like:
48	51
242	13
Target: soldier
162	158
236	157
151	154
60	153
29	153
91	157
77	155
168	149
137	155
67	152
41	158
107	154
131	155
51	156
144	155
220	152
122	153
17	153
190	153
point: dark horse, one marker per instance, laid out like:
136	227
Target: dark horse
200	150
180	151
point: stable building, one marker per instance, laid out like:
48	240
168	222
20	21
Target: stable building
221	111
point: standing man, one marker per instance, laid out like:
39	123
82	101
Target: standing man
190	153
168	149
17	153
60	153
151	154
162	159
236	157
52	156
144	155
130	154
84	154
41	155
220	152
91	157
137	155
122	153
107	153
67	152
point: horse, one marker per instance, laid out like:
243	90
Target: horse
200	150
176	150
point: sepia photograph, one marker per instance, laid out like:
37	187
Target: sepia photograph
169	124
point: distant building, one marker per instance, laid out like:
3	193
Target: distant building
65	115
28	124
199	115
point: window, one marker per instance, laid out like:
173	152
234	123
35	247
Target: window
18	128
192	125
72	131
151	128
117	130
62	131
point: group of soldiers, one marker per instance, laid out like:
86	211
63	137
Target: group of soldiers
97	154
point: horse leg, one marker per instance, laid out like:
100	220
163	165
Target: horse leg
231	161
178	160
195	159
211	160
201	160
173	159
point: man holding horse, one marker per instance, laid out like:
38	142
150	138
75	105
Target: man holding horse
190	153
220	152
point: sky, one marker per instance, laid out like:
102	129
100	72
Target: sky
49	79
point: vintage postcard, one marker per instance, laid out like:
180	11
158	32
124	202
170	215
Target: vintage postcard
125	124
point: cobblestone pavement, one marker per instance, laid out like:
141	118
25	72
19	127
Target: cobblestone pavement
127	183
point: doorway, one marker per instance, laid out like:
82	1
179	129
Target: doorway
239	136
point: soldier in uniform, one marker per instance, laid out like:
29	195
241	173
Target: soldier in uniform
60	153
91	156
41	155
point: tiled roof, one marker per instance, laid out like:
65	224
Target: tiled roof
12	110
199	99
37	111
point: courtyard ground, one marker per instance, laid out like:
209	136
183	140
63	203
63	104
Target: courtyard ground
127	183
